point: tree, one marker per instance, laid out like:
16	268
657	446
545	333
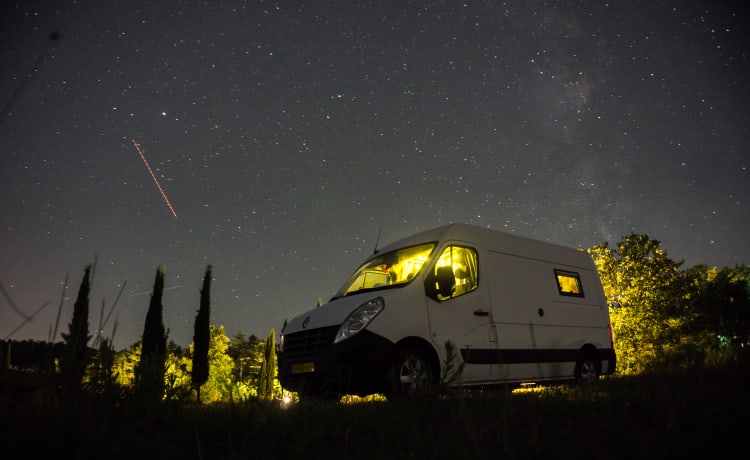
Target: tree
647	284
720	304
218	387
220	382
268	368
150	370
247	355
104	375
201	337
671	318
75	358
177	376
126	364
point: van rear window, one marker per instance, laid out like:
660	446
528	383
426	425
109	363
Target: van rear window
568	283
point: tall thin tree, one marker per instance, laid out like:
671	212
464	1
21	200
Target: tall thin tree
202	336
268	368
74	358
151	369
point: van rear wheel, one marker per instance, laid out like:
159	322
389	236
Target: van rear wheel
409	374
588	367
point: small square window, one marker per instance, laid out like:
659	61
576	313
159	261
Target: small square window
568	283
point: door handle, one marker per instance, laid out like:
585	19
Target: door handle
480	312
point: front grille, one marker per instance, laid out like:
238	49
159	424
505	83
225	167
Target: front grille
312	342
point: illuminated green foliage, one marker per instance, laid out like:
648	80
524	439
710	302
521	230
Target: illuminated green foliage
670	318
247	354
640	276
218	387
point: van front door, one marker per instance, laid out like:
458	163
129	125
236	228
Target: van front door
459	312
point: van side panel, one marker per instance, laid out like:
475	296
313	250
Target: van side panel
540	331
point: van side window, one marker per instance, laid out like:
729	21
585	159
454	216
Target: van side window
568	283
454	274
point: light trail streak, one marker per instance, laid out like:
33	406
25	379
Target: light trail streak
153	176
150	292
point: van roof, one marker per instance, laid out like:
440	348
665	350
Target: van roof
495	240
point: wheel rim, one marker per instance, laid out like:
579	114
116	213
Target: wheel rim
588	371
413	375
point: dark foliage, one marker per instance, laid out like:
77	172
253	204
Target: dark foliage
721	300
687	414
5	355
33	355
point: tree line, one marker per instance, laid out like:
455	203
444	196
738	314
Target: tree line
663	317
213	368
667	317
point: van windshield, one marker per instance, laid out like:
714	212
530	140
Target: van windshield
390	269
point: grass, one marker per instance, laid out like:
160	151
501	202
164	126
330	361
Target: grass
698	413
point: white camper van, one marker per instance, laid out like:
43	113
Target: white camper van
514	310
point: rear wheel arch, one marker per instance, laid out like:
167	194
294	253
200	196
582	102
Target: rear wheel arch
588	364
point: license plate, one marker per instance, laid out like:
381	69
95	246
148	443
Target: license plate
302	368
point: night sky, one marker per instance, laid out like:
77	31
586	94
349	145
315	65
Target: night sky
287	135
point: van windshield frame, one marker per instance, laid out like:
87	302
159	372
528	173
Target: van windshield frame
388	270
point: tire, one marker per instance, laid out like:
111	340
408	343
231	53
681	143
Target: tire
410	374
588	367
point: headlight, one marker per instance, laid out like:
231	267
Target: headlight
359	319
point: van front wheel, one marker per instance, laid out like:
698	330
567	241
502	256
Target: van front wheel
409	374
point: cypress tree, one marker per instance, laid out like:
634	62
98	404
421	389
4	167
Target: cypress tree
202	336
262	382
74	358
151	369
268	368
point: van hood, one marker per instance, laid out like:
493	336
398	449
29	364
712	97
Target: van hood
332	313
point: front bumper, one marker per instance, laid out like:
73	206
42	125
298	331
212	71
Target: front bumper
319	367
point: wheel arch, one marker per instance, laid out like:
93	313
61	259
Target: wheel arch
425	346
588	351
